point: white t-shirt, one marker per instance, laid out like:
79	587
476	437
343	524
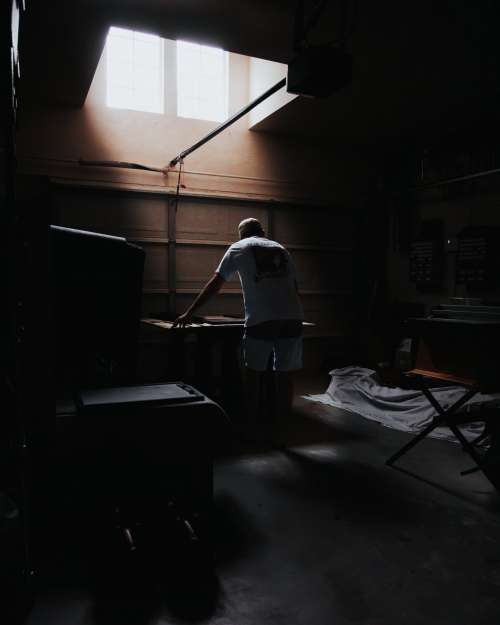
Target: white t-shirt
268	279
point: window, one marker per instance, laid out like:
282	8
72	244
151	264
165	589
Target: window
134	71
202	75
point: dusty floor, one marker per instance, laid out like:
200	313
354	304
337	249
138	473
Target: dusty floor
319	533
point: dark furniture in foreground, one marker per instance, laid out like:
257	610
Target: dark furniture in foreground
151	448
137	458
96	307
459	345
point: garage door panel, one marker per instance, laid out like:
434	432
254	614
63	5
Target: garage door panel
320	270
131	216
195	264
331	314
155	266
210	221
306	226
230	304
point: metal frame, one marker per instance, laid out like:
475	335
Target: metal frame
445	417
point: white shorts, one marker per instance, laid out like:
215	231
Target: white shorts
285	354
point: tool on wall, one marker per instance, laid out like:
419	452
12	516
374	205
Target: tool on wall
119	164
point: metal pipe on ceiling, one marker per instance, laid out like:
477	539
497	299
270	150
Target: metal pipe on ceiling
213	133
440	183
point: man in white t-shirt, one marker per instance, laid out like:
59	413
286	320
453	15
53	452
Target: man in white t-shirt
273	313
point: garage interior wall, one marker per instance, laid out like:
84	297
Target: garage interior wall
184	245
306	193
238	162
474	202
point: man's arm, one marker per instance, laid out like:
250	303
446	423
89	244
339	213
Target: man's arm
211	288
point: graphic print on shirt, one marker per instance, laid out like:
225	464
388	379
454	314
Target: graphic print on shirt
270	262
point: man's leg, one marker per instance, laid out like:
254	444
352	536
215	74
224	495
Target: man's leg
288	359
282	406
256	355
283	393
253	381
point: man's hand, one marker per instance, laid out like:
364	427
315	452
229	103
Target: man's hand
211	288
183	320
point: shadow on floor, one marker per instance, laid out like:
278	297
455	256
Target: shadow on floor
235	533
365	491
166	574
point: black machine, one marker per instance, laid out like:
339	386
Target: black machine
136	458
96	305
319	71
151	469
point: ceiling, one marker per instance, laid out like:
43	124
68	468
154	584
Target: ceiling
418	68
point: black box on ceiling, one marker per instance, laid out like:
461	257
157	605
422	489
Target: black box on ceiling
319	71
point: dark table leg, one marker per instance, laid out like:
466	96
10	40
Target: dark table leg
442	418
414	441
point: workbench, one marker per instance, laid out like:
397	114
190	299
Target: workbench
205	353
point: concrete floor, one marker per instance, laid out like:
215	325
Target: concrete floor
321	533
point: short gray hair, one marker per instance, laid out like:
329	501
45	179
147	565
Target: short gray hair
250	227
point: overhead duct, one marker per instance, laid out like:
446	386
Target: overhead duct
319	71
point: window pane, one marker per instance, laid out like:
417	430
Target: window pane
201	81
187	85
119	49
145	80
208	87
134	70
120	74
146	54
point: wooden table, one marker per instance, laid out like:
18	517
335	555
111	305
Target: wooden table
206	354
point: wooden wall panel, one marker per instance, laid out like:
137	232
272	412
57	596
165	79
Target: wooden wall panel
312	227
322	354
154	304
331	314
319	240
223	304
195	264
214	220
134	216
155	266
319	270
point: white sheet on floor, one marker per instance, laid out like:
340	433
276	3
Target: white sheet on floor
357	390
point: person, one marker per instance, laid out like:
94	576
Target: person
273	316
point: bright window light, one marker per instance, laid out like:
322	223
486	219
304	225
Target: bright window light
134	71
202	77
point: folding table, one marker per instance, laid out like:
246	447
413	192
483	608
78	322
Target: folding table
459	347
